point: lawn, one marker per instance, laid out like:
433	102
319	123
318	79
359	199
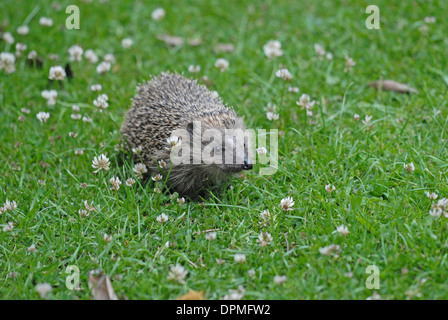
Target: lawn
362	166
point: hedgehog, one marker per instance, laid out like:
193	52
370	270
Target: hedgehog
170	108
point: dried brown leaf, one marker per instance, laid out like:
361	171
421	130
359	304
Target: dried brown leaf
390	85
192	295
101	286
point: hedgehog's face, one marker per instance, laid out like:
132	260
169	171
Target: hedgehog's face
223	150
234	155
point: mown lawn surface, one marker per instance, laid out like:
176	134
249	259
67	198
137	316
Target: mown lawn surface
384	206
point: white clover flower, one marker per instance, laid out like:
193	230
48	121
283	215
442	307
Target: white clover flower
443	203
23	30
83	213
157	190
157	177
86	119
139	170
130	182
73	134
435	212
210	236
75	53
264	239
214	94
194	69
177	273
294	89
273	49
262	151
430	19
32	248
57	73
272	116
79	152
115	182
342	230
25	110
107	238
181	201
76	116
45	22
20	47
367	120
43	116
329	250
222	64
91	56
330	188
9	39
158	14
101	102
349	63
127	43
280	279
7	62
283	74
162	218
239	258
32	55
89	207
356	117
439	208
10	205
103	67
265	217
409	167
329	56
44	289
137	150
100	162
8	227
305	102
287	204
320	51
271	107
174	142
96	87
235	294
50	96
162	164
432	195
109	58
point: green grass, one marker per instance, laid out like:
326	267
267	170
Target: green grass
384	207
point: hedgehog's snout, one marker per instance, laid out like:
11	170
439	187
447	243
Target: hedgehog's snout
247	165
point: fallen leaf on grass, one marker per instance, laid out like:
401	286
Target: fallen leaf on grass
101	286
192	295
390	85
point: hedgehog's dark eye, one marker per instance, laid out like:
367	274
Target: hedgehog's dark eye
218	149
